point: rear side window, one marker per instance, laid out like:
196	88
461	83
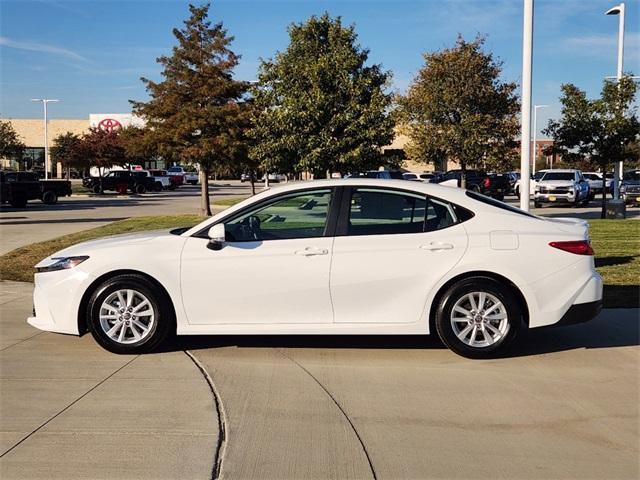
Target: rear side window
384	212
497	203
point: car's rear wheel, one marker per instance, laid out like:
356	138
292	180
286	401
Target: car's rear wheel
478	317
50	197
96	188
140	188
128	315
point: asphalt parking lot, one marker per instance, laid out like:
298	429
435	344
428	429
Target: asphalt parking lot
563	405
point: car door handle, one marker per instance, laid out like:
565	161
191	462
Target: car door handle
437	246
311	251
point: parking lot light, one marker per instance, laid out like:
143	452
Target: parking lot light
46	140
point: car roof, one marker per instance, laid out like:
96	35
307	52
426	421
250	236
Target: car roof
562	170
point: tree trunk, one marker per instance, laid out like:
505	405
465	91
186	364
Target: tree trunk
603	213
253	183
205	203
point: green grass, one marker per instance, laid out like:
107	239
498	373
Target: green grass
77	188
18	264
226	202
617	247
616	242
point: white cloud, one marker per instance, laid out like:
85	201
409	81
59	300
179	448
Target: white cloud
606	45
40	47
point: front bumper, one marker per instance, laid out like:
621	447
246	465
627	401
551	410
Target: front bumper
631	197
554	198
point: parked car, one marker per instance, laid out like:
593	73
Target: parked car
192	177
161	178
594	179
381	174
123	181
391	257
630	187
533	181
493	185
275	177
177	175
246	177
418	176
561	186
17	188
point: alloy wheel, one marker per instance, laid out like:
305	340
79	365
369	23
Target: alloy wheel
479	319
127	316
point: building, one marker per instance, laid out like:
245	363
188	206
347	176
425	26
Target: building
31	132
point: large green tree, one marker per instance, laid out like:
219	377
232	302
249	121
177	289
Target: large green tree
602	130
194	113
102	149
319	106
67	149
11	146
457	108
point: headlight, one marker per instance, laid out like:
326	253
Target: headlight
62	263
623	188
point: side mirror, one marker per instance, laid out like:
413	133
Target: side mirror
216	237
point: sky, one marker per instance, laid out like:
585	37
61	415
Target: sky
90	54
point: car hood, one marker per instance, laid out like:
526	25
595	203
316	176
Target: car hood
85	248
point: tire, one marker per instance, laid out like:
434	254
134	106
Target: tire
19	200
105	301
158	187
458	335
537	204
517	192
140	188
193	183
50	197
96	188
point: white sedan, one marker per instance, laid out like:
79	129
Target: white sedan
361	256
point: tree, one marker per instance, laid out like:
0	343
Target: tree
138	145
11	146
602	130
103	149
193	113
319	108
458	107
67	149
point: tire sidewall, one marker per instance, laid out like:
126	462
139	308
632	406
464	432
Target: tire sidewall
49	197
162	311
459	289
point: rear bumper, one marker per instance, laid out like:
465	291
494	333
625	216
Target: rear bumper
580	313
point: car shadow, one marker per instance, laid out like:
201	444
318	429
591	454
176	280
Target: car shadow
609	261
607	331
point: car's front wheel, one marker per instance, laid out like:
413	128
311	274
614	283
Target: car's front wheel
478	317
127	314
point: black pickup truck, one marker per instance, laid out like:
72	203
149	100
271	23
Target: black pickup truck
121	181
495	185
17	188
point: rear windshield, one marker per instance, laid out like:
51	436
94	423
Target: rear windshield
497	203
175	169
558	176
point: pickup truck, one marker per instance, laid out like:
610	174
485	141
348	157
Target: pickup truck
162	179
495	185
17	188
122	181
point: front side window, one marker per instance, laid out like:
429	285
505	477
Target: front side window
382	212
299	215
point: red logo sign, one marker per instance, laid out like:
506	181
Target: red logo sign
109	125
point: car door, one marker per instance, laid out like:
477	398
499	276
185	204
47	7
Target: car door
391	248
272	269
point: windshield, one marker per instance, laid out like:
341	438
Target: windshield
592	176
633	175
558	176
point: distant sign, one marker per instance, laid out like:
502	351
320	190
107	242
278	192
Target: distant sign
109	125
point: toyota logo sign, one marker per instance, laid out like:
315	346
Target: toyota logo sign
109	125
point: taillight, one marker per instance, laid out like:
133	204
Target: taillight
486	182
579	247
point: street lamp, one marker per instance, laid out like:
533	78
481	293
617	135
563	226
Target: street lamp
535	134
46	140
525	112
618	10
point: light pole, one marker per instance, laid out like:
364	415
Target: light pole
618	10
525	112
535	134
46	139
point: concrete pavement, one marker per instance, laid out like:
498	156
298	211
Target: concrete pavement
565	404
70	410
